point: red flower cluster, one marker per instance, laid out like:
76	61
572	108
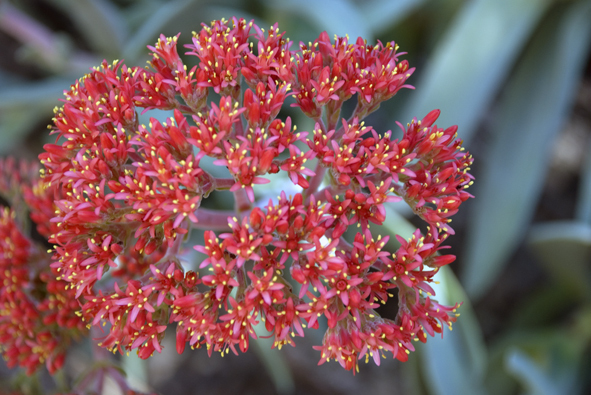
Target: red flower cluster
129	194
37	312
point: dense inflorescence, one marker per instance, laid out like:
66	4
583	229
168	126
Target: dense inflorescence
128	195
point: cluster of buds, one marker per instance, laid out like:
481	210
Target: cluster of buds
127	196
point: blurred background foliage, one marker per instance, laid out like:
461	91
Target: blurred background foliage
514	75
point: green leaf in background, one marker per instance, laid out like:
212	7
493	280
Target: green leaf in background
22	106
531	112
15	124
412	372
396	224
564	249
381	15
548	363
8	80
39	46
99	22
456	364
471	61
152	27
522	366
47	92
544	306
274	361
171	18
335	16
136	371
583	207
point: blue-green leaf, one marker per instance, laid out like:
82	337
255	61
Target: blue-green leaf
150	30
456	364
136	371
555	370
15	125
339	17
171	18
47	92
274	361
380	15
530	374
583	207
396	224
9	79
532	110
22	106
473	58
99	22
564	249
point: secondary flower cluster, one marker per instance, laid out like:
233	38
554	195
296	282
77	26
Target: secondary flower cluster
37	312
129	194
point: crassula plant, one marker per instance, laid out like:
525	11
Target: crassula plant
118	199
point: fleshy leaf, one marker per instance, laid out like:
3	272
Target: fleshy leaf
383	14
557	376
336	16
564	248
173	17
457	363
532	110
583	207
22	106
472	60
99	22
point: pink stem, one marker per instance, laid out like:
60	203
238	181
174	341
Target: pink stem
173	251
100	381
333	111
320	196
239	128
119	379
85	382
316	180
224	183
241	201
212	219
344	244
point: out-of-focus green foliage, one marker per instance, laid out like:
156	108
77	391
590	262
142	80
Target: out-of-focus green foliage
99	22
457	363
564	248
531	111
476	53
513	66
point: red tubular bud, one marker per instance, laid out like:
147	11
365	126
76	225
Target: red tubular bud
430	118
